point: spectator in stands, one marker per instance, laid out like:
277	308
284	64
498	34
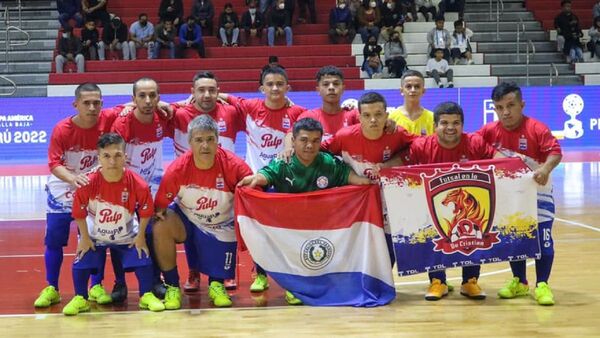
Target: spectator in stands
204	12
264	6
96	10
69	49
89	40
341	23
394	52
567	27
114	36
141	35
311	9
253	21
427	6
273	62
67	10
372	58
596	10
392	19
408	7
190	36
164	36
279	23
229	26
460	48
452	6
369	18
438	67
439	38
171	10
594	33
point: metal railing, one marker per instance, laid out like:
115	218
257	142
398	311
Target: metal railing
520	26
9	44
555	76
499	4
529	44
12	84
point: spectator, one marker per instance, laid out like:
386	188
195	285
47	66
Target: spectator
460	48
253	21
89	40
114	36
567	27
67	10
273	62
438	67
452	6
171	10
279	24
394	52
204	12
372	60
69	49
596	10
229	26
427	6
369	18
141	35
190	36
341	23
594	33
95	10
408	7
311	8
164	36
392	19
265	5
439	38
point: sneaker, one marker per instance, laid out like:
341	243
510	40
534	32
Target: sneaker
470	62
218	294
98	294
543	294
149	302
472	290
172	298
441	85
260	284
450	286
436	290
230	284
450	85
119	293
291	299
48	296
513	289
76	305
159	290
193	282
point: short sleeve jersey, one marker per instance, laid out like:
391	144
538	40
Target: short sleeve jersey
332	122
326	171
421	126
109	208
425	150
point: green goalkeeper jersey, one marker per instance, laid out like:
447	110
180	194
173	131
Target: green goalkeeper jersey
326	171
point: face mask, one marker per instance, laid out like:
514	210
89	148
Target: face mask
373	4
281	6
390	5
342	6
252	11
65	35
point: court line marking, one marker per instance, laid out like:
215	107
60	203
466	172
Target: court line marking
583	225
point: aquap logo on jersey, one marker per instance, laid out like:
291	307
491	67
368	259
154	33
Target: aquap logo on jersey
316	253
462	202
205	203
322	182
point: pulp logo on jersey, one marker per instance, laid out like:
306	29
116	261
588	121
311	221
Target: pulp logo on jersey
148	154
268	140
220	182
87	161
222	126
205	203
108	216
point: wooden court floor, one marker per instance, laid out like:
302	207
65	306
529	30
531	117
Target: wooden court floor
574	281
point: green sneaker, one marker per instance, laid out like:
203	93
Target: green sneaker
172	298
260	284
291	299
47	297
543	294
148	301
98	294
76	305
514	288
218	294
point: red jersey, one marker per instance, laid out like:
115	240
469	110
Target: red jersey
332	122
110	207
425	150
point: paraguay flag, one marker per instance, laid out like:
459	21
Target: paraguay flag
326	247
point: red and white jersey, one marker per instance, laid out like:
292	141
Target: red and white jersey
427	149
332	122
144	145
361	153
204	196
110	207
229	121
265	129
74	148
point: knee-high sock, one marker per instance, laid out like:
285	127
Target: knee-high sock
172	277
543	267
190	253
469	272
145	279
53	258
259	269
98	277
519	269
441	275
117	263
80	281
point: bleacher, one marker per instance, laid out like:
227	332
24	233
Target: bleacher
546	10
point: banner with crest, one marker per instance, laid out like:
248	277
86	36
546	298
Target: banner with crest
452	215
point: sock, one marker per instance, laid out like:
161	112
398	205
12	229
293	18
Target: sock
117	263
80	281
53	258
144	276
441	275
543	267
213	279
172	277
98	277
469	272
190	253
259	269
519	269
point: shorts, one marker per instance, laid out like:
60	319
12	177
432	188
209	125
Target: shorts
128	256
58	226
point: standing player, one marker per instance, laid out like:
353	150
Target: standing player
201	182
450	144
411	115
104	211
517	133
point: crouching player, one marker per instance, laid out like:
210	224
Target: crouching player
104	211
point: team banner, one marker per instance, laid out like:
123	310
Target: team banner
326	247
453	215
